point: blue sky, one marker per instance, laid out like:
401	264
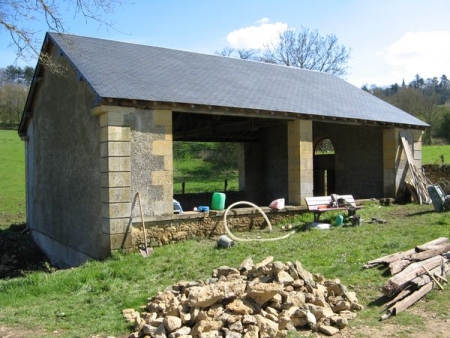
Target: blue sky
390	40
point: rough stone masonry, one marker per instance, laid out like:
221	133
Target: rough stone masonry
267	299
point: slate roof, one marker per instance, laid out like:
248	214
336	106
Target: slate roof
131	71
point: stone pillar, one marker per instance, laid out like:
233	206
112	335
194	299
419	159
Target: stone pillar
115	150
300	161
417	147
395	162
152	161
162	176
391	161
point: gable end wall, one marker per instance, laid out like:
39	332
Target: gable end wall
65	189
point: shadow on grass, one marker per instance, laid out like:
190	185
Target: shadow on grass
419	213
19	254
379	302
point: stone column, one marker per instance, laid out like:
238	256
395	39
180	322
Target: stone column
152	161
395	162
162	148
391	161
115	150
417	147
300	161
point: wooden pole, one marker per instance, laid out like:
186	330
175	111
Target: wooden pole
432	277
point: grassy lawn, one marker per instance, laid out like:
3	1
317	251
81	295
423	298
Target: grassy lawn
432	154
12	178
202	176
88	300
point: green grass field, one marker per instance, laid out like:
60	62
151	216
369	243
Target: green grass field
89	300
432	154
202	176
12	178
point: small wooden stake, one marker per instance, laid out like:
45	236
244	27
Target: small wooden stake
432	277
442	278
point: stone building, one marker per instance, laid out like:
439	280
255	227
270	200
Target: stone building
103	130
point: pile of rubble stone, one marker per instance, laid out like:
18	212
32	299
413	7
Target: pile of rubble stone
268	299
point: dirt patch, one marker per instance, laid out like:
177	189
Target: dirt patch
433	327
7	332
19	254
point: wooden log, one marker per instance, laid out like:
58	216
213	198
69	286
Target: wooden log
389	258
397	266
404	254
396	283
408	301
404	293
431	244
437	250
424	279
440	272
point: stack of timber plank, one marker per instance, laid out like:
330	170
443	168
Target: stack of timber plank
417	182
415	272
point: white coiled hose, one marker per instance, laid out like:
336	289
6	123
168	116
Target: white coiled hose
247	239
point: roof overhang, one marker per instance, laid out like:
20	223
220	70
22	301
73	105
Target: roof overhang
253	113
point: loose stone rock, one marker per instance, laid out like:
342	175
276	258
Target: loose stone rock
267	299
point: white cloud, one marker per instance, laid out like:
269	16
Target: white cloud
256	36
423	53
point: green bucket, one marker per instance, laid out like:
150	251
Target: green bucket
339	220
218	201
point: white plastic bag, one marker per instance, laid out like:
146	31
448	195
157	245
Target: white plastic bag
277	204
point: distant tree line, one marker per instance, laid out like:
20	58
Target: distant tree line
14	85
427	99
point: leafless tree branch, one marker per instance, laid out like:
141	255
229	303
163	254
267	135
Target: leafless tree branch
17	17
309	50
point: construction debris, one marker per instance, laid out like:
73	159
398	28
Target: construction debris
268	299
415	272
416	182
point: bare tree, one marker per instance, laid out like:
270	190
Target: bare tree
305	49
308	49
242	53
227	51
18	16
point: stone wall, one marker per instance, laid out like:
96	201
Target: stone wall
64	181
359	158
210	225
